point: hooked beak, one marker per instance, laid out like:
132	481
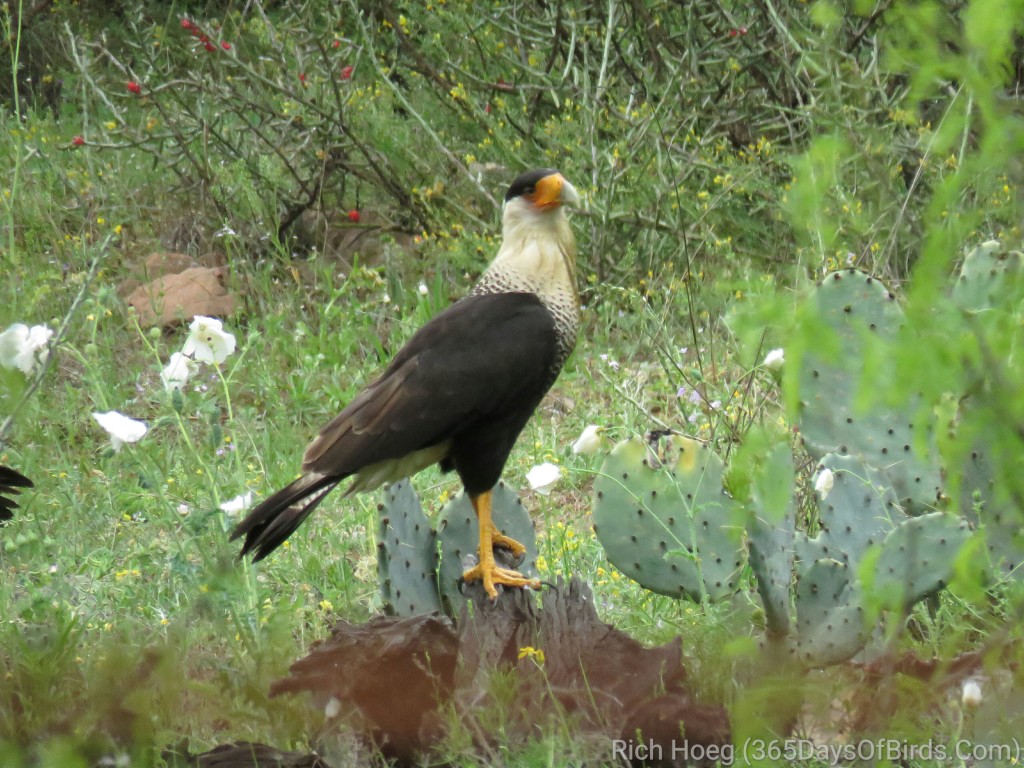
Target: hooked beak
554	191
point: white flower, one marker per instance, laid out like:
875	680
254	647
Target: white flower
38	338
23	348
823	485
120	428
423	289
589	441
775	359
184	509
542	478
177	372
237	504
208	342
971	695
332	708
12	342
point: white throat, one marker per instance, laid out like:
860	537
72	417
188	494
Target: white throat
537	254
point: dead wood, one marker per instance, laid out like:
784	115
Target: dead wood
402	680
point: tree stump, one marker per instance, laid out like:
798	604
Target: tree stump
397	679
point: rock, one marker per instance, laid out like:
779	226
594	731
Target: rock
176	298
155	266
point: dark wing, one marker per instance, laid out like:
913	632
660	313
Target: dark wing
467	364
480	358
10	484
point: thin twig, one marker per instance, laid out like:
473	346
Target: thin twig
452	158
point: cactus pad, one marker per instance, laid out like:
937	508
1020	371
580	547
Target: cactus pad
459	534
990	273
673	530
917	558
988	505
829	615
855	307
771	541
857	513
406	554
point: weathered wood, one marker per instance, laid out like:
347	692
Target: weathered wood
395	678
389	676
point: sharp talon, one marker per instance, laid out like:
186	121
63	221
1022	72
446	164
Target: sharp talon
505	542
486	571
495	576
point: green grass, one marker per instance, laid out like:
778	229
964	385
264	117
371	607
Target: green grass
721	173
129	622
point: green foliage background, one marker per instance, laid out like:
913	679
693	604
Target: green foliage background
728	153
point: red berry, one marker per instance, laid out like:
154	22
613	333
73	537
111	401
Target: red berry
134	87
78	141
302	78
743	30
226	46
186	24
353	216
336	44
733	33
487	109
209	46
346	72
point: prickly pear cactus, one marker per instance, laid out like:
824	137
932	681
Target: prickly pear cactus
857	512
990	273
864	535
459	534
406	554
989	290
852	307
988	505
829	614
771	537
420	569
674	530
916	558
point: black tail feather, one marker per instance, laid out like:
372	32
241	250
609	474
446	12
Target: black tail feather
11	483
277	517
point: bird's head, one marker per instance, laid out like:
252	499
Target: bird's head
538	250
540	192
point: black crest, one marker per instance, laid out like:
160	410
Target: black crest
525	183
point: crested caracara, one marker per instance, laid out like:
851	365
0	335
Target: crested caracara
11	482
462	388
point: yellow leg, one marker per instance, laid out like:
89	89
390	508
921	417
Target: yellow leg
486	570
